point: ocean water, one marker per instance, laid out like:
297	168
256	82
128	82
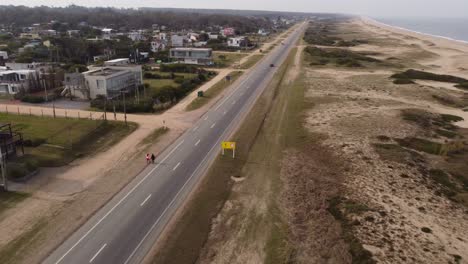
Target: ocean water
453	28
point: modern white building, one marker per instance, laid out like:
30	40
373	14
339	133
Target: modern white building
3	55
238	42
107	33
12	81
198	56
109	82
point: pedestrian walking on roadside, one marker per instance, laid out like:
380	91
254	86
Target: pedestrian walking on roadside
147	158
153	158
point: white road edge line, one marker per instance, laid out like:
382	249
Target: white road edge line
147	198
195	128
118	203
176	166
97	253
213	125
198	142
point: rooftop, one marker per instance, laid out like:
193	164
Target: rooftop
192	49
103	72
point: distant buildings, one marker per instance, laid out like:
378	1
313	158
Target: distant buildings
196	56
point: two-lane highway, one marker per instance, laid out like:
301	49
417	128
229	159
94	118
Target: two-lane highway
124	230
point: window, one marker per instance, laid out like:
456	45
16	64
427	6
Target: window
99	84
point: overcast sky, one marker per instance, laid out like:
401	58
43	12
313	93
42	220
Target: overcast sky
375	8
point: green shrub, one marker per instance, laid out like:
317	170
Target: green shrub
422	75
451	118
34	142
179	68
33	99
403	81
420	144
463	85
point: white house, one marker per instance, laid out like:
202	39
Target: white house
237	42
12	81
3	55
107	33
192	56
213	36
178	41
136	35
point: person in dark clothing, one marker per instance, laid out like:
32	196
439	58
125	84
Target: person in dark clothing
153	158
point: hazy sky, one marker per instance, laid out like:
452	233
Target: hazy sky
376	8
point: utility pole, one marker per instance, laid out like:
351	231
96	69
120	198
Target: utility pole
4	174
105	108
125	108
113	106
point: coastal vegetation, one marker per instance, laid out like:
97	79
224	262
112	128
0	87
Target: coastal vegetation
338	57
411	74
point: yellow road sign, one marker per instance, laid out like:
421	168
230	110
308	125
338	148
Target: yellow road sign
228	145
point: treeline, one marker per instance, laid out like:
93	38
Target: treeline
126	18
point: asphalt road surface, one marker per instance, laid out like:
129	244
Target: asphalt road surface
125	229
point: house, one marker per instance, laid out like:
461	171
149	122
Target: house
109	82
29	36
107	33
136	35
238	42
227	32
124	64
10	141
3	55
41	67
213	36
263	32
73	33
158	45
200	44
48	32
198	56
178	41
13	81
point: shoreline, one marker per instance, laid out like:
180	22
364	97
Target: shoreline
412	33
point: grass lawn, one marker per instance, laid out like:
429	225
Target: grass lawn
56	142
58	131
252	61
156	84
212	92
226	59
